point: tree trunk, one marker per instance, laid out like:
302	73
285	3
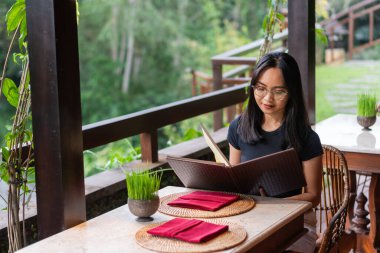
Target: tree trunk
130	52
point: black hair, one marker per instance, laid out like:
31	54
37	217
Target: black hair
296	122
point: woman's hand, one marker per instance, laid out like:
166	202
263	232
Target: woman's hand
262	192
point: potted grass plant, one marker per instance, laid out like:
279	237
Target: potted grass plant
143	200
366	110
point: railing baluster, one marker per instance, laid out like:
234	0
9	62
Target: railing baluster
217	73
149	146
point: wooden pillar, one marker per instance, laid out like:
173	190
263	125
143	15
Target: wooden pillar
56	110
301	44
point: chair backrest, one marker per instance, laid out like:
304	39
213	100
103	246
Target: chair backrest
332	210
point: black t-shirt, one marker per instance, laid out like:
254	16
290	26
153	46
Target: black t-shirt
273	142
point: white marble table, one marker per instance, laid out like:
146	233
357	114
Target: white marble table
271	225
343	132
361	149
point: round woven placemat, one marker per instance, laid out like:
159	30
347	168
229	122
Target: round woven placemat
235	235
244	204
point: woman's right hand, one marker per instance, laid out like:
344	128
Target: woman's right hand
262	192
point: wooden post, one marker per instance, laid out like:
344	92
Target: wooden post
217	75
370	40
149	147
56	110
301	41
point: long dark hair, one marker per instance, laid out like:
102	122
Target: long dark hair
296	123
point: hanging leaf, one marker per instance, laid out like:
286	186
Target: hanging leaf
10	91
321	35
265	21
15	15
5	153
4	172
280	17
23	33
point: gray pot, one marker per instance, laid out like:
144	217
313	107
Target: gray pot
366	122
143	209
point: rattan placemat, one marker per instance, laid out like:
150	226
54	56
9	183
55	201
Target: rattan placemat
235	235
244	204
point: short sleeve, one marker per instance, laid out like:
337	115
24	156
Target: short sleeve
232	136
312	147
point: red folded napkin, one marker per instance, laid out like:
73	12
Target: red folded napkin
189	230
210	201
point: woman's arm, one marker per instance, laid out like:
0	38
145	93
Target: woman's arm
312	170
234	155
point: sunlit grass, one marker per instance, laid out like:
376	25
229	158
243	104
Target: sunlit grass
341	78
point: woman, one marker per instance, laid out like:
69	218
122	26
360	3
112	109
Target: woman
276	119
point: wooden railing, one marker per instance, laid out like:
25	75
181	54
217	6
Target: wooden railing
147	122
346	20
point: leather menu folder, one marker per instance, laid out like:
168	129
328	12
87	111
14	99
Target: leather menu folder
277	173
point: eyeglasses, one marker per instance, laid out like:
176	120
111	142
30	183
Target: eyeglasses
278	93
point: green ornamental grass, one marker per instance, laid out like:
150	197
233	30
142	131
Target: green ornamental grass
143	185
366	105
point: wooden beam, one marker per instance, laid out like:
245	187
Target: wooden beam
56	110
301	41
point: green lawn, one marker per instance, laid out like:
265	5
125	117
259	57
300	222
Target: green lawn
338	85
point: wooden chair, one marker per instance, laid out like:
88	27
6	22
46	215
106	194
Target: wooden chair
332	211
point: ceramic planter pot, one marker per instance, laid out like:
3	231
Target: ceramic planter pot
143	209
366	122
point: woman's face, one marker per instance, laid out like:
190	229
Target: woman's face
270	92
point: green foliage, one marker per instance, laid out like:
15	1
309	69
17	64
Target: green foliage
170	37
110	156
321	36
368	53
272	18
16	169
366	105
143	185
10	91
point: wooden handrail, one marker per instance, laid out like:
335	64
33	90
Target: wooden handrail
348	17
252	46
344	13
149	120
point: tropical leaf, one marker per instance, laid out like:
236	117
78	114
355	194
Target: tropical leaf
15	15
10	91
5	153
23	33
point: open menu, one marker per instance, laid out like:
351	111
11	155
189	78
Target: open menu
277	173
